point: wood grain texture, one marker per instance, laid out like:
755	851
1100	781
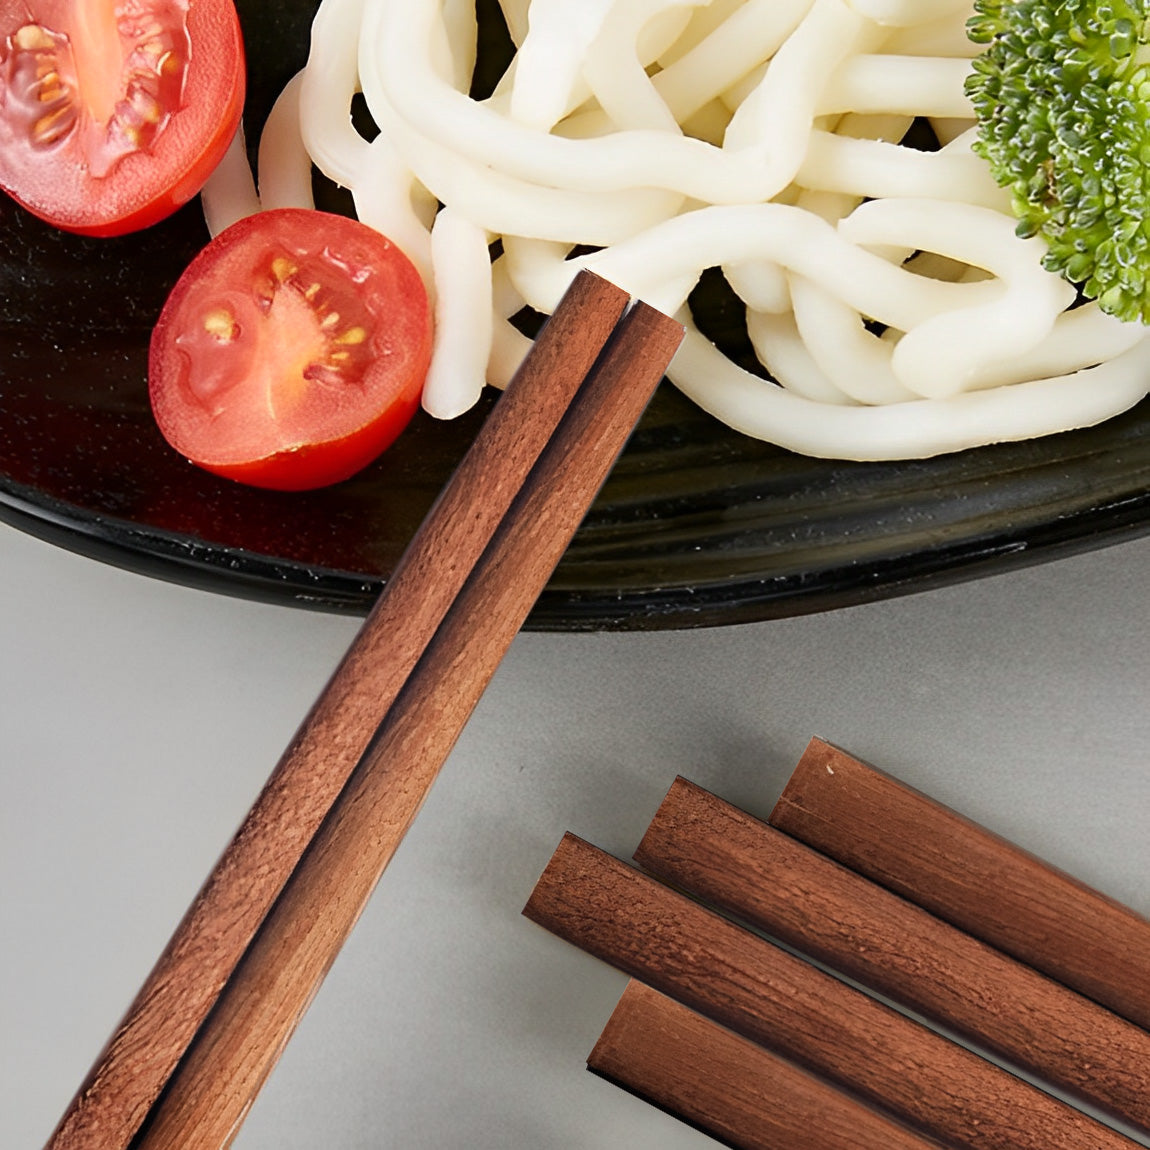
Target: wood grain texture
969	877
737	1092
210	1091
784	1003
225	915
742	866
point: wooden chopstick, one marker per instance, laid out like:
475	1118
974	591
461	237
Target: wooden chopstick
737	1092
784	1003
962	873
209	1092
740	865
372	682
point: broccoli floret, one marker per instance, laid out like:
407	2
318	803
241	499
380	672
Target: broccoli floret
1062	95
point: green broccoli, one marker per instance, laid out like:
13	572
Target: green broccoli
1062	95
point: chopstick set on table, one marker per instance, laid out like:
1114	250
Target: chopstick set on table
201	1036
733	1021
735	1034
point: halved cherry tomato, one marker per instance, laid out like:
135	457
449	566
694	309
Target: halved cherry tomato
292	351
113	113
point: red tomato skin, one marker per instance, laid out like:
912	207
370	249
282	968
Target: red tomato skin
144	188
323	464
291	462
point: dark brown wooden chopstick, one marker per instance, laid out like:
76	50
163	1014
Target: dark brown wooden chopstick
218	928
782	1002
739	1093
962	873
210	1090
742	866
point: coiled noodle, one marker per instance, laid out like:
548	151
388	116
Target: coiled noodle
888	298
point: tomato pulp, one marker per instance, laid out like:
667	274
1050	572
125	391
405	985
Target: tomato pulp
113	113
292	351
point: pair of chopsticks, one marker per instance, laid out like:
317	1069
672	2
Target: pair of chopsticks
210	1021
981	939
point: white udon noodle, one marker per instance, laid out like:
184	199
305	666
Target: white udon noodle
757	136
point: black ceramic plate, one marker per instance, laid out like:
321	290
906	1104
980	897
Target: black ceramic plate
696	526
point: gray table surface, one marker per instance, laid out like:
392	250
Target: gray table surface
139	719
